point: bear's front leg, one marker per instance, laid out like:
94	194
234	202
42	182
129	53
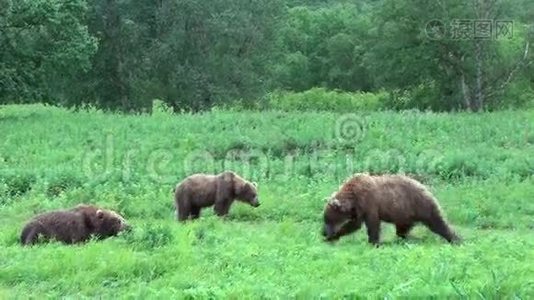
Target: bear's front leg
372	222
221	208
183	209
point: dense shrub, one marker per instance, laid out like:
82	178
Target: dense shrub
422	97
16	184
518	94
320	99
150	236
60	182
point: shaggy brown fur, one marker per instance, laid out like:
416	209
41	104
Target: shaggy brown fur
370	199
74	225
201	190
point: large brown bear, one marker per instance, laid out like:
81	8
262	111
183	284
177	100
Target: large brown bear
396	199
202	190
74	225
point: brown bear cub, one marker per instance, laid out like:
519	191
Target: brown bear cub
395	199
74	225
202	190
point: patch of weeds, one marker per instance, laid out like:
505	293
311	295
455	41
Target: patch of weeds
150	236
17	184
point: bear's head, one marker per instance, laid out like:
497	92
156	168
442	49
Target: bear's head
102	222
336	213
109	223
246	192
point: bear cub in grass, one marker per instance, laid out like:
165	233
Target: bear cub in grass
73	225
395	199
202	190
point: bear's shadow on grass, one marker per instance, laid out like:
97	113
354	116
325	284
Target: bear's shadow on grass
395	241
411	240
415	240
244	218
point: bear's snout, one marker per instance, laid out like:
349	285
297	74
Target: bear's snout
123	224
328	231
126	227
255	202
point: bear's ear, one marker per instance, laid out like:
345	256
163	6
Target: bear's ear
339	205
100	214
334	202
255	184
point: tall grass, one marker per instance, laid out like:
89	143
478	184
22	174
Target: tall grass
480	167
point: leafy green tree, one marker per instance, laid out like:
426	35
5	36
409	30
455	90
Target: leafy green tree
43	43
190	54
466	71
324	46
215	51
193	55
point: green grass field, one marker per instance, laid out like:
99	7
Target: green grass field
480	167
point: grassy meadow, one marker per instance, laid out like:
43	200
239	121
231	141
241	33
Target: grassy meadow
480	167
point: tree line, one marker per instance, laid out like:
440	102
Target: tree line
194	55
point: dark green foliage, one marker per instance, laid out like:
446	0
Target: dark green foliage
314	100
193	56
43	44
60	183
324	47
446	72
479	166
17	183
150	236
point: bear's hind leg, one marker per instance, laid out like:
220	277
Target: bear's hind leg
29	236
32	234
403	229
440	227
